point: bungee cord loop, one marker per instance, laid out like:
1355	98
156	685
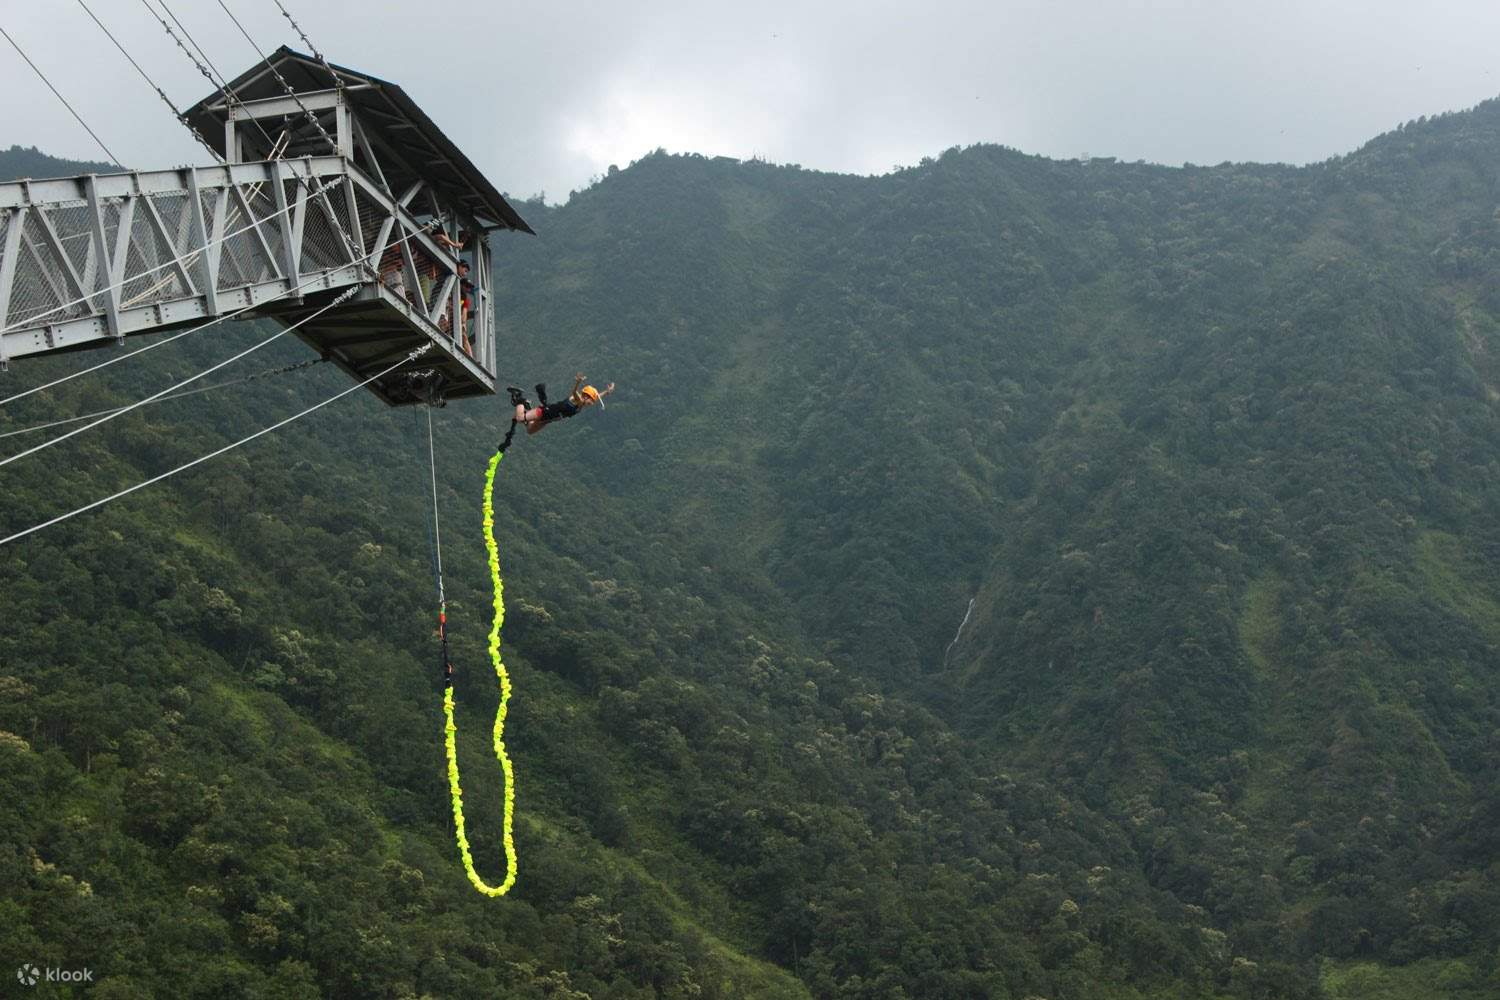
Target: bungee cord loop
450	727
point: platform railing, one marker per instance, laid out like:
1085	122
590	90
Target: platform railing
89	259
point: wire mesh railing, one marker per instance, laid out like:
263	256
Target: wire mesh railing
136	252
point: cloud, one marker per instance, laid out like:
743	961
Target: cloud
547	96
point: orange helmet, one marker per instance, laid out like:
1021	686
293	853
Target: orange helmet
589	393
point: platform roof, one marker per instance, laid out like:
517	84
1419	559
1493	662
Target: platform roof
410	145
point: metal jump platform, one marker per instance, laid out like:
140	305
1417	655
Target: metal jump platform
343	184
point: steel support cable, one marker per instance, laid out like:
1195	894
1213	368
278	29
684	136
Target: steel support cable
152	84
305	40
332	143
222	82
174	388
210	72
16	45
181	260
211	75
338	81
363	262
213	454
285	369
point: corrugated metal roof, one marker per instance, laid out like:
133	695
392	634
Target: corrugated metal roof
391	117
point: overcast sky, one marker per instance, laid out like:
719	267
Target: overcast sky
545	96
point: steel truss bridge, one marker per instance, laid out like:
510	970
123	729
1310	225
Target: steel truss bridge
85	260
335	184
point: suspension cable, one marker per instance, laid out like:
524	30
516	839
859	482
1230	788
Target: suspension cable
285	369
338	80
16	45
332	144
222	82
152	84
213	454
210	72
298	29
173	388
223	85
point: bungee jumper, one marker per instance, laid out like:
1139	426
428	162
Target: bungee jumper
534	418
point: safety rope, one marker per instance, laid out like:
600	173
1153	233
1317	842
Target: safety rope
450	727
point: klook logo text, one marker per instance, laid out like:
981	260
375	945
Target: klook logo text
30	975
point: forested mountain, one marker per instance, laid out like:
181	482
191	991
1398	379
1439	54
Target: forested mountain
28	161
1203	459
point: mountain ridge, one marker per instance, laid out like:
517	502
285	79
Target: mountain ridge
847	407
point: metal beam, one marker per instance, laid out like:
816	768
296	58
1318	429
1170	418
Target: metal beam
214	249
254	223
413	279
362	140
8	272
155	316
449	286
65	191
161	228
284	222
68	271
405	200
382	240
111	294
366	338
124	224
342	131
206	264
351	206
278	107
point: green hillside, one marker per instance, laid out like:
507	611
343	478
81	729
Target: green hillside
1210	449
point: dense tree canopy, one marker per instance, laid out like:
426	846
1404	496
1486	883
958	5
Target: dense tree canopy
1212	451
